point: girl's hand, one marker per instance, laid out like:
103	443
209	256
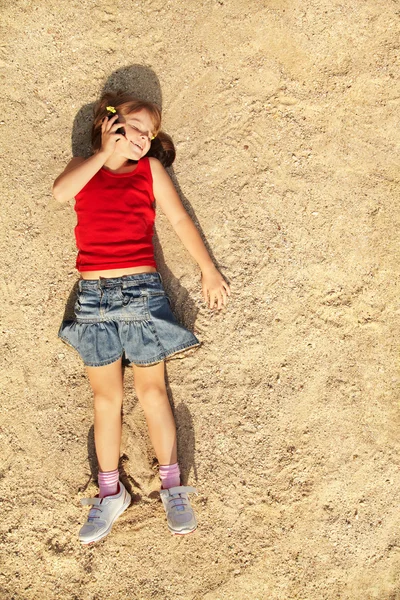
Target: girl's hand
109	137
215	288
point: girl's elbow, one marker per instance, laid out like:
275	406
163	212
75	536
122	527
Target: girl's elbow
58	194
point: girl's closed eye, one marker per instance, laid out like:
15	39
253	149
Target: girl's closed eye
149	136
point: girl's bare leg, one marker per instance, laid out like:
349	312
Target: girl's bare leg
152	394
107	388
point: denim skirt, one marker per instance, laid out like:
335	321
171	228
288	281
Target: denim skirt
128	315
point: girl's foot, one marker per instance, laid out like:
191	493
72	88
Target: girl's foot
180	515
102	515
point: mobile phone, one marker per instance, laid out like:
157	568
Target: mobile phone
120	130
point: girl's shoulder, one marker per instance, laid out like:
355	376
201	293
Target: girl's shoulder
154	161
156	167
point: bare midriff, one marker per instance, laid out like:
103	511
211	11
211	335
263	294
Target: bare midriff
116	272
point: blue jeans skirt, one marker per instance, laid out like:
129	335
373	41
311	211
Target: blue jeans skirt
128	315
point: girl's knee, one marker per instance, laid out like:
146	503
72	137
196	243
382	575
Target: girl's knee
107	402
151	386
152	393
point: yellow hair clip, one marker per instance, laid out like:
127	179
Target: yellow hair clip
111	109
153	137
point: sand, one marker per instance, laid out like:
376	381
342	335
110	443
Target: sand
285	116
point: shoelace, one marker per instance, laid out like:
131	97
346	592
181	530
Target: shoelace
92	513
92	516
179	501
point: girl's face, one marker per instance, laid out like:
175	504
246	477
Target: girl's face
138	133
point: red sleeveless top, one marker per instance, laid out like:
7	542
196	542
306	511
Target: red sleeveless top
115	213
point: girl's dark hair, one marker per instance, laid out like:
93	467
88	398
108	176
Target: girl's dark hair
162	146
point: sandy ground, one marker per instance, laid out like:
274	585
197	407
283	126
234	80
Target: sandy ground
286	118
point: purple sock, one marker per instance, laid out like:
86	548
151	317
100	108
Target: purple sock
170	476
108	483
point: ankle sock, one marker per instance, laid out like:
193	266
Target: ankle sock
170	476
108	483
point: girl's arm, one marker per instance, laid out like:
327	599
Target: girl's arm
80	170
215	288
76	175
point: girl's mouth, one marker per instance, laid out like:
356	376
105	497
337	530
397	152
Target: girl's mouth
137	145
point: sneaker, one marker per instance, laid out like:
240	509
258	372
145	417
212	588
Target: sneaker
180	515
102	515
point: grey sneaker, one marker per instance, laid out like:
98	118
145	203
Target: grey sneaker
102	515
180	515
